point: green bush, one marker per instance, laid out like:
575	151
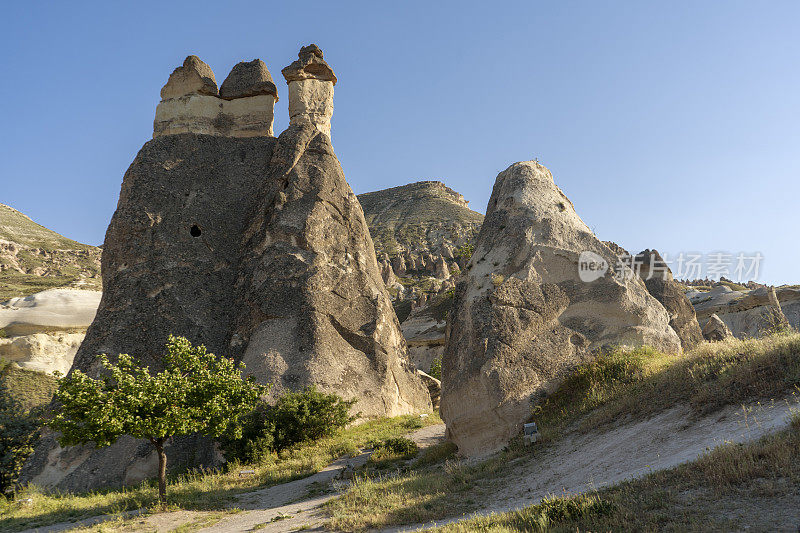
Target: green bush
308	415
257	440
296	417
18	431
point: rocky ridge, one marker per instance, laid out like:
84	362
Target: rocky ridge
34	258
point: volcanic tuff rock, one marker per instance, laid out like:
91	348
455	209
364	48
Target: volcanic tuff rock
658	279
311	83
248	79
315	310
190	102
522	317
715	329
257	249
749	313
169	266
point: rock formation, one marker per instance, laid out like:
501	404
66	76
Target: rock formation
749	313
190	102
256	248
658	279
43	331
311	83
523	317
715	329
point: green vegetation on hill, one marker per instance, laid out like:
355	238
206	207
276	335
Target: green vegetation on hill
34	258
28	388
420	215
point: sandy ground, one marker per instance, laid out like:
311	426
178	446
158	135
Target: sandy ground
579	463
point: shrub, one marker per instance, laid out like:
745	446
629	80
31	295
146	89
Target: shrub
257	439
308	415
436	368
18	431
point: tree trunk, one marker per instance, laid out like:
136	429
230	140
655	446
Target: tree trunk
162	471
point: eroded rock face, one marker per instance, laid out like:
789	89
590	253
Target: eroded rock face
523	318
169	267
716	330
750	313
243	108
315	309
658	279
42	352
193	77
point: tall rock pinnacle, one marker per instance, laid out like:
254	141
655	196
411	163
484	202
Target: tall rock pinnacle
311	82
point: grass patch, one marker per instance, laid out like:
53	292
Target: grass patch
203	490
27	387
621	386
624	386
733	487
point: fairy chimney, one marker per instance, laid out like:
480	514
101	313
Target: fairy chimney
242	107
311	82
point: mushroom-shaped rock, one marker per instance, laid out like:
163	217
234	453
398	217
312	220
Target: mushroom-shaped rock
311	82
190	103
193	77
248	79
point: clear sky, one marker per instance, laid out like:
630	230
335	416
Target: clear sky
672	125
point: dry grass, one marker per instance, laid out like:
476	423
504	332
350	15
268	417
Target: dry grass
617	388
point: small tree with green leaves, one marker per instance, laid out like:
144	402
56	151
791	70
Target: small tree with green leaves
197	392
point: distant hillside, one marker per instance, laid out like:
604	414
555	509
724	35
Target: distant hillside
421	216
34	258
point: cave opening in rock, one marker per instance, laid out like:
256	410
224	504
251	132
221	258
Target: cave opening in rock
195	231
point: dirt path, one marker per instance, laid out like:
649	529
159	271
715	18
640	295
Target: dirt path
582	462
286	507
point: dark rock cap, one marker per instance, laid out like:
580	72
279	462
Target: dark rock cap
248	79
309	66
193	77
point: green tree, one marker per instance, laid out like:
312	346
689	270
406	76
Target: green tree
196	392
18	431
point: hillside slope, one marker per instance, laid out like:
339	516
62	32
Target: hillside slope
422	216
34	258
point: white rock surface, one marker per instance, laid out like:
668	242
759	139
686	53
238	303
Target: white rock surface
43	352
62	309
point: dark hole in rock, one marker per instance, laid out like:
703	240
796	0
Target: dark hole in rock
195	231
561	206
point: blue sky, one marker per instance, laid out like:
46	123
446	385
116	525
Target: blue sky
671	125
